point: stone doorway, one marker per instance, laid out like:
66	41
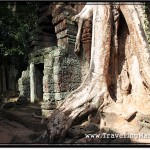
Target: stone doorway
39	81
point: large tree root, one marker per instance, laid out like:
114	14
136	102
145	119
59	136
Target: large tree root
93	94
92	91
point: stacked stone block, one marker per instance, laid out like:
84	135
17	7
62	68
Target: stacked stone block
24	84
48	82
65	29
62	72
53	45
61	76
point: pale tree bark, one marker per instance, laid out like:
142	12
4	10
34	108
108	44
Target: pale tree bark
129	77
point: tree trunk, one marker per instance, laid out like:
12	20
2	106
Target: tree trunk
118	79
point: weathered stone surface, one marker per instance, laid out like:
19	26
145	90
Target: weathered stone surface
48	62
48	105
58	61
24	84
61	74
48	97
61	26
48	71
38	60
25	78
48	88
56	70
24	90
48	80
57	87
65	78
61	12
76	78
62	42
63	87
59	52
56	78
60	96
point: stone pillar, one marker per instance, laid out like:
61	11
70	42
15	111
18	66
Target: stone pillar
48	85
24	84
67	75
32	83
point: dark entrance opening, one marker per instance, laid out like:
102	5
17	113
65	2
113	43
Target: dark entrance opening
39	81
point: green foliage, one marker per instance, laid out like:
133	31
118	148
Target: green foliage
15	26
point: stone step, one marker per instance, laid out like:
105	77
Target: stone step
25	118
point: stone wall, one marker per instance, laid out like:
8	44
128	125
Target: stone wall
62	71
53	47
61	76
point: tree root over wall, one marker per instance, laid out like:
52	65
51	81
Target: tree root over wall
117	84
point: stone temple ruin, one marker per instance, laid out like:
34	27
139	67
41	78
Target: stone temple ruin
54	70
